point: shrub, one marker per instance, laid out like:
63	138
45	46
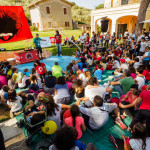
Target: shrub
33	28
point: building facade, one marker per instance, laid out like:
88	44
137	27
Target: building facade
122	15
48	13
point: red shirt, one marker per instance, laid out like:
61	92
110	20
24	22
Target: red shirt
58	39
40	69
145	95
117	53
146	73
99	58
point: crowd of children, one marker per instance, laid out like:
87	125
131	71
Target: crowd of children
129	60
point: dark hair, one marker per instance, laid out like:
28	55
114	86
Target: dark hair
139	132
5	88
74	110
14	69
134	86
9	66
61	80
33	71
127	73
56	63
83	60
37	62
50	75
99	66
140	70
136	59
132	69
64	138
71	72
37	118
33	78
12	95
57	31
26	70
98	101
51	106
84	66
92	81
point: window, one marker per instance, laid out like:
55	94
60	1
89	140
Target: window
38	25
65	11
66	24
34	24
48	10
124	2
49	24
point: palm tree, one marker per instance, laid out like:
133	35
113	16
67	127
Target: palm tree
141	16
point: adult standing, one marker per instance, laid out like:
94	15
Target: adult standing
82	40
2	146
107	39
144	110
37	44
58	39
113	39
139	36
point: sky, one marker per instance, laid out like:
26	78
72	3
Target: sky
91	4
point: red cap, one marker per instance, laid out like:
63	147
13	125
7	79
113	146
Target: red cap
122	60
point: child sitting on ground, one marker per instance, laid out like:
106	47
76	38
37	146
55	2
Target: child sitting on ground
14	103
98	73
33	88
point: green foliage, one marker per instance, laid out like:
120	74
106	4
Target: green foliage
81	14
100	6
33	28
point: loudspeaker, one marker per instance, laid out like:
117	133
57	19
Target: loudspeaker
2	49
104	25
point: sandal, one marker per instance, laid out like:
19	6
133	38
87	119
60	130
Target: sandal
112	139
121	124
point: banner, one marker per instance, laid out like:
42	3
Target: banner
46	43
53	40
13	24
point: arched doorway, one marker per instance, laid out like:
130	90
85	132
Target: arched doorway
98	24
126	23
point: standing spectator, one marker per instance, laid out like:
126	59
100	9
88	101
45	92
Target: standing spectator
113	39
143	45
58	42
37	44
139	36
82	39
107	39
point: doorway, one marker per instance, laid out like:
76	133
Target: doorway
122	28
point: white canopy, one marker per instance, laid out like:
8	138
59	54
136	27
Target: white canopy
146	21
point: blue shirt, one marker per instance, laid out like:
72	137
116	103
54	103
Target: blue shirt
50	83
37	42
80	64
80	145
98	74
147	54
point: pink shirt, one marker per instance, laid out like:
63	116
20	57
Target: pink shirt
79	123
145	95
130	99
3	81
133	75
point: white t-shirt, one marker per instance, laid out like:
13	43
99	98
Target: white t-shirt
82	38
143	45
136	65
139	37
127	60
16	105
136	144
56	117
83	78
23	83
124	67
92	92
117	64
141	82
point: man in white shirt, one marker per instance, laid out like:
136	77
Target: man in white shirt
143	45
82	40
139	36
123	67
140	79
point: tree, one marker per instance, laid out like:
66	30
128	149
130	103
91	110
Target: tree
100	6
141	15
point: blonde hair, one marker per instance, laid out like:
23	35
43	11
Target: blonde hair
88	74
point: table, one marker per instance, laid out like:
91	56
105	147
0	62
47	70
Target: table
26	56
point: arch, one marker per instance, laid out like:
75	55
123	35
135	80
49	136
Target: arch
126	23
98	22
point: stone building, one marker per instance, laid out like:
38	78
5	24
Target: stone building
58	12
122	15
